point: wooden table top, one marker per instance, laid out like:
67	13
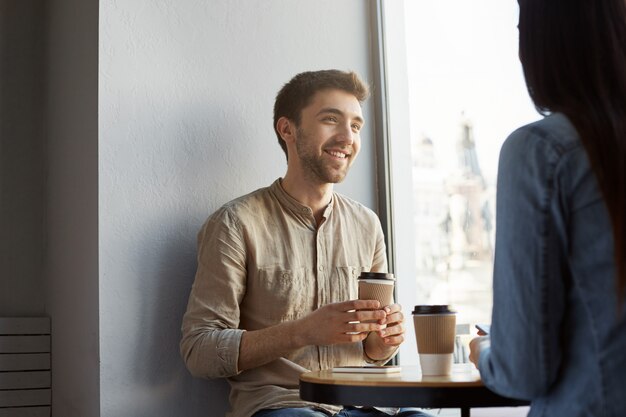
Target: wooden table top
463	375
461	389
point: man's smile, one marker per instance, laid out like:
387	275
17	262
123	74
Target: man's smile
338	154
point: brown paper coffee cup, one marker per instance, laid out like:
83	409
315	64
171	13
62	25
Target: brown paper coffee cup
376	286
370	290
435	330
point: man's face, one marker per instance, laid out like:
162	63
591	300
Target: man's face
328	137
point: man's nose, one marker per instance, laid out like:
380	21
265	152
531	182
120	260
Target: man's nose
347	135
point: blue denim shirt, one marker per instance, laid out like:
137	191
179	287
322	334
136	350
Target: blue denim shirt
556	337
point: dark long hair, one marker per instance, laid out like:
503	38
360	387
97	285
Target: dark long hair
574	57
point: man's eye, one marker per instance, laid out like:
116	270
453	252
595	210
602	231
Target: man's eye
330	118
356	127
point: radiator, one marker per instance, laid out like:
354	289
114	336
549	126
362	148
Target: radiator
25	381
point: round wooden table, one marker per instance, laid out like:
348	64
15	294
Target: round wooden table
462	389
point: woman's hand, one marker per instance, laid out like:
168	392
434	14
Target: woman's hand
476	346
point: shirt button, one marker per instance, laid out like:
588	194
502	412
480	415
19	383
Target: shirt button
321	268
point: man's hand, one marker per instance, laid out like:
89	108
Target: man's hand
328	325
476	346
343	322
381	344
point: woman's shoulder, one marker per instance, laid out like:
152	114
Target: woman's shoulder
553	133
546	151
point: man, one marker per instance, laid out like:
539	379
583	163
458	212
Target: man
275	292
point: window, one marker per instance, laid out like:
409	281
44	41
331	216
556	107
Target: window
463	85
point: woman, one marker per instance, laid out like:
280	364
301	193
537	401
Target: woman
558	336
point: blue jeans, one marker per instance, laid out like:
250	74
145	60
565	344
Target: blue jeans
346	412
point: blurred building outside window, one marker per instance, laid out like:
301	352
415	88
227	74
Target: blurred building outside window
467	94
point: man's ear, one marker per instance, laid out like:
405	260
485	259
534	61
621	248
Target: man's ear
286	129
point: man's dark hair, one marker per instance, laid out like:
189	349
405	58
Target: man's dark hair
573	53
298	92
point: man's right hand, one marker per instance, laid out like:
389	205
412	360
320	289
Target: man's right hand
328	325
339	323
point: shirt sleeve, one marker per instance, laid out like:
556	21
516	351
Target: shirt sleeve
530	266
379	262
210	335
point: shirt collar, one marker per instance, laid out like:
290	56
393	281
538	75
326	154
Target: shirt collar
294	205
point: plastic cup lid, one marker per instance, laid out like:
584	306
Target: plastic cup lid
377	275
433	309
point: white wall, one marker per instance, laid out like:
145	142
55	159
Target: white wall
185	124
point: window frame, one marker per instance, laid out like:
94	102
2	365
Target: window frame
394	182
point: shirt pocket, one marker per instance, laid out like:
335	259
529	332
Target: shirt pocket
344	285
285	293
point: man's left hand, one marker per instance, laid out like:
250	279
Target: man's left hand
381	344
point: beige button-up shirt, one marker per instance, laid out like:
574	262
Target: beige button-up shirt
262	261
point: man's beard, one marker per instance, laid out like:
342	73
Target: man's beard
316	168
